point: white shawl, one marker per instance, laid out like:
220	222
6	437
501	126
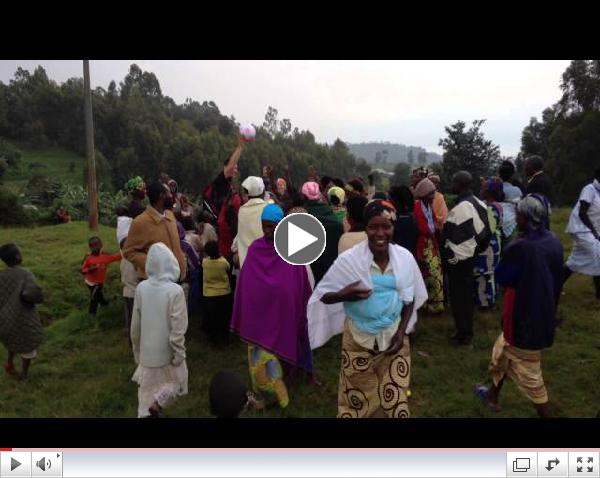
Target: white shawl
327	320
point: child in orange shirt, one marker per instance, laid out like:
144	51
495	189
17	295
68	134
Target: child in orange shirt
94	268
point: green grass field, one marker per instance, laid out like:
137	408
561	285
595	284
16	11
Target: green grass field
84	367
55	163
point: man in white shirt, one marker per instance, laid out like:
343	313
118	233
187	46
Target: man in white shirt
249	223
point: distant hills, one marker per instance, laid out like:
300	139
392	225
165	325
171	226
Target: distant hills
385	153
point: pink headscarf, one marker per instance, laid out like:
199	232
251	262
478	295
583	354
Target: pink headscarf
311	190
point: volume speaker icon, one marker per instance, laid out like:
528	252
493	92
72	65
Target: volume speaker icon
43	464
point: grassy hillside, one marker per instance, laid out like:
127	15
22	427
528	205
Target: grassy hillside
84	367
55	163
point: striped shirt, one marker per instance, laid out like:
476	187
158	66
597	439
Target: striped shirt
467	231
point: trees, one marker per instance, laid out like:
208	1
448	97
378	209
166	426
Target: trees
567	137
139	131
574	154
535	138
581	87
468	150
411	158
402	173
285	127
270	124
143	81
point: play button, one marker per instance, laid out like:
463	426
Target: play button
14	464
300	239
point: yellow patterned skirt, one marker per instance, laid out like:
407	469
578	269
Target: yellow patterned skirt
372	384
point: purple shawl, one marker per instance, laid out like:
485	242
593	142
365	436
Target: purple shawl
187	248
270	305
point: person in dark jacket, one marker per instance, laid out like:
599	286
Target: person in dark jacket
405	228
531	272
539	182
332	225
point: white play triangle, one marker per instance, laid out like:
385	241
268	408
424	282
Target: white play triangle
298	239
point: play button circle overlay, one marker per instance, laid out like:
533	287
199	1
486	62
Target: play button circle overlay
300	239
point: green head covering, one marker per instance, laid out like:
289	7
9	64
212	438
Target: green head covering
135	184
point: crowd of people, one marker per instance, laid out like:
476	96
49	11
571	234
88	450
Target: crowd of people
389	256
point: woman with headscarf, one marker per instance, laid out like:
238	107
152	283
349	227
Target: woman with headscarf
428	253
485	263
137	190
281	188
439	207
333	228
356	233
176	196
531	273
269	313
286	195
187	208
336	196
417	175
372	293
584	228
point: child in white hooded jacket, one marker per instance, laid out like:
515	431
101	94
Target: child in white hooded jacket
158	327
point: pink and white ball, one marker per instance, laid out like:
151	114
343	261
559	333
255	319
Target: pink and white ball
248	132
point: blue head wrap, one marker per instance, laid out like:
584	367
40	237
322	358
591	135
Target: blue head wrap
272	213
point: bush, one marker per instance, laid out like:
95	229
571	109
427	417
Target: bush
33	214
10	153
11	210
107	204
74	200
41	191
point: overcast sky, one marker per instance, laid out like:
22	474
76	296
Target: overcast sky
406	102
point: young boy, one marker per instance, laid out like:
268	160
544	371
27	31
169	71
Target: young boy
217	294
94	269
158	327
21	330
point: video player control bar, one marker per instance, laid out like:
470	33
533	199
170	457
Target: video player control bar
297	463
31	464
553	464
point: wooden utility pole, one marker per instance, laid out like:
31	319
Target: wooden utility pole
89	148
